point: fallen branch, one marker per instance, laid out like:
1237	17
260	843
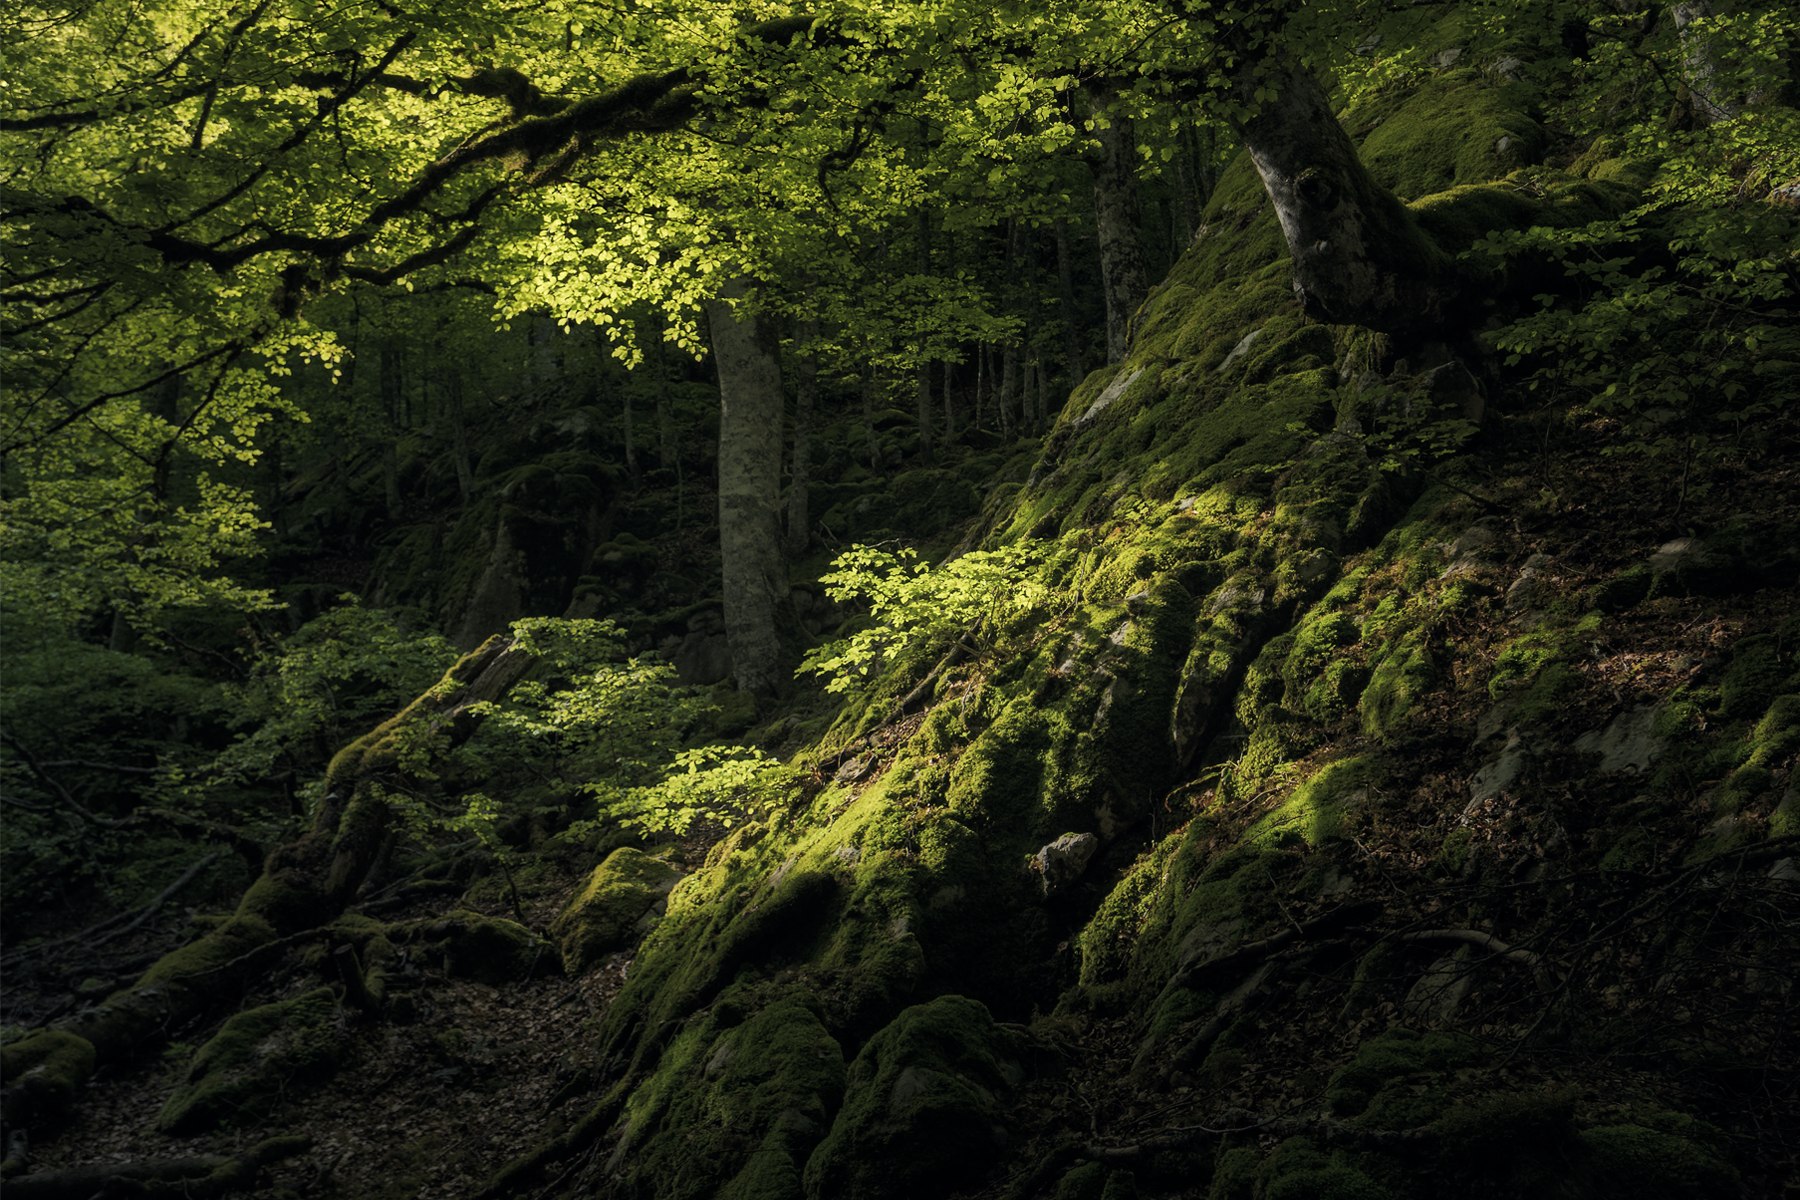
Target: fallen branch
1487	941
207	1175
141	915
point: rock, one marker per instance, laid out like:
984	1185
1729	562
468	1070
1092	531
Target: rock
1063	860
1627	743
1513	765
257	1055
1442	990
1454	385
1113	391
606	913
1524	590
856	769
921	1115
1508	68
1446	58
1238	351
1785	872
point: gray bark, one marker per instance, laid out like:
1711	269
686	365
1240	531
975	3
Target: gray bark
750	403
1065	285
1120	224
452	386
868	408
1358	256
923	225
806	390
391	385
1708	94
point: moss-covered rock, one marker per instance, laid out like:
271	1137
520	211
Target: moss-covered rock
242	1073
609	911
921	1112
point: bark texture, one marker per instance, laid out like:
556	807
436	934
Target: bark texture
750	411
1120	224
806	390
1358	256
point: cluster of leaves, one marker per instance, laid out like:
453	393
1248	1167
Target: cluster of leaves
915	605
1691	355
599	724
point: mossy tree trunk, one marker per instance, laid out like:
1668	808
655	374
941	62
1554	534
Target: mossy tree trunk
304	885
750	403
1120	223
1359	257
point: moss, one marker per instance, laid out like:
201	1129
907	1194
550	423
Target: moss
1633	1160
1390	1082
1754	677
604	915
1316	809
932	1077
241	1074
491	950
1297	1170
1398	678
51	1066
1235	1177
1406	149
228	943
1773	740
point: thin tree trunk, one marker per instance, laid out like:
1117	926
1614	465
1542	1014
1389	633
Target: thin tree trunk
1009	360
1065	286
748	355
666	447
805	392
1120	225
868	408
1707	96
949	404
391	384
922	225
452	386
1184	184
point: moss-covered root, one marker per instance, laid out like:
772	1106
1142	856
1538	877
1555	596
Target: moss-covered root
920	1114
208	1175
303	885
258	1054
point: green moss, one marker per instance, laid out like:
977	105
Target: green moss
241	1074
1390	1083
491	950
932	1078
1402	674
1297	1170
1753	678
50	1066
605	914
1633	1160
1405	148
1316	808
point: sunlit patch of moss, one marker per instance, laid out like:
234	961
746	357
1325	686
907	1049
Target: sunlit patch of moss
1316	808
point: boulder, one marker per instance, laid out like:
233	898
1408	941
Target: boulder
258	1055
1063	860
609	911
921	1113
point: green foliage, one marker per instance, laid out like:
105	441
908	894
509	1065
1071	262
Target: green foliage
915	605
335	678
611	728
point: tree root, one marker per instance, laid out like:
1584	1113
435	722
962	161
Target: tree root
208	1175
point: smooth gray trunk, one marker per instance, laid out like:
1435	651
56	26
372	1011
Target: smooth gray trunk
391	385
1358	256
1708	92
1120	224
1065	289
750	402
806	390
868	408
452	404
922	224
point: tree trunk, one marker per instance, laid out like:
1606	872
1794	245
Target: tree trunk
391	387
1065	289
459	434
868	408
923	226
806	390
1120	224
1184	186
750	403
666	448
1359	258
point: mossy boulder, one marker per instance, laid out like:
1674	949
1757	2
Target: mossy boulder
609	912
490	950
1660	1154
921	1112
256	1056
